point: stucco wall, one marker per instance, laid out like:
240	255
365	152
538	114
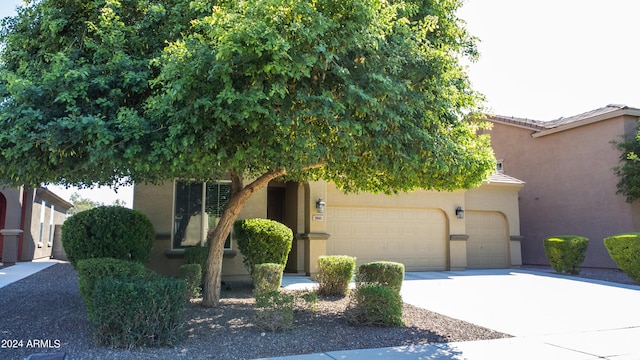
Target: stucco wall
157	203
571	187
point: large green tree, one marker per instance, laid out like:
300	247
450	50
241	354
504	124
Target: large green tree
628	171
367	94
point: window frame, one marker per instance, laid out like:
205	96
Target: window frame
203	226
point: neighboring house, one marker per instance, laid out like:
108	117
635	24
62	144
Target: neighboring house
30	221
571	186
424	230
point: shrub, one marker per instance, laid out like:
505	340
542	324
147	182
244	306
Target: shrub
624	249
334	274
108	231
198	255
90	271
192	275
565	253
263	241
134	313
274	311
386	273
375	305
267	277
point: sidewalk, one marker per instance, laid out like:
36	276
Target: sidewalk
551	316
21	270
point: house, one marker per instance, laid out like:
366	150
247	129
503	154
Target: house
424	230
30	221
571	186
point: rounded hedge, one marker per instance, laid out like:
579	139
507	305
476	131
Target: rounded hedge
385	273
566	252
262	241
624	249
108	231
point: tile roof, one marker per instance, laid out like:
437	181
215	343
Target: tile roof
504	179
603	113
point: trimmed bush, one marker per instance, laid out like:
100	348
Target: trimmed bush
385	273
375	305
565	253
334	274
267	277
624	249
192	275
108	231
132	313
90	271
262	241
198	255
274	311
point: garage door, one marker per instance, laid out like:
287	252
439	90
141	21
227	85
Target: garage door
414	237
488	243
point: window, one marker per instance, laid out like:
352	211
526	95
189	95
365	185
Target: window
43	205
53	210
197	211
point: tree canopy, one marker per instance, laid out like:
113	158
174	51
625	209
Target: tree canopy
628	171
367	94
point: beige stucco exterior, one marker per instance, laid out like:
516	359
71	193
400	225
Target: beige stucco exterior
571	187
442	240
29	219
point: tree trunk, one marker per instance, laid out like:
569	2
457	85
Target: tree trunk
239	197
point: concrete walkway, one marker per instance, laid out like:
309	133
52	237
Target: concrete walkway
21	270
550	316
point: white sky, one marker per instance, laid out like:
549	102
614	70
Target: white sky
539	59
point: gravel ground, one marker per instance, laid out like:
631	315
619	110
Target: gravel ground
44	313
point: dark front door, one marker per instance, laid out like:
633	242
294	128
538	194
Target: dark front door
3	212
275	204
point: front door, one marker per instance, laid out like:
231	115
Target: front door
3	212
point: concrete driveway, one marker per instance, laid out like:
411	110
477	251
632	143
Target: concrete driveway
554	316
551	316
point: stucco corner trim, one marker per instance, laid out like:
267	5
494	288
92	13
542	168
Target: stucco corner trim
315	236
11	232
458	237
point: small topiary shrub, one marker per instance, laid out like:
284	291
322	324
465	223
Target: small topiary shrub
192	275
274	311
565	253
132	313
262	241
198	255
90	271
267	277
624	249
385	273
375	305
108	231
334	274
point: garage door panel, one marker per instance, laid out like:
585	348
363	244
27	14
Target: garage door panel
414	237
488	243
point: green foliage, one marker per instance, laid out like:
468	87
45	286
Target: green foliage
375	305
624	249
628	171
334	274
192	275
267	277
81	204
274	310
197	255
385	273
262	241
90	271
565	253
108	231
132	313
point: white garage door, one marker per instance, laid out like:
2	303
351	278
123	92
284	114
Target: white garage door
414	237
488	243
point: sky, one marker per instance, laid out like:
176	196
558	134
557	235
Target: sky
539	59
